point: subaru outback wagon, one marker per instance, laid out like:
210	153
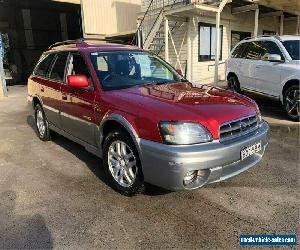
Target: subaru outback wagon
146	122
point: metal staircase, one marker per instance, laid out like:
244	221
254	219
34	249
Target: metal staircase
151	30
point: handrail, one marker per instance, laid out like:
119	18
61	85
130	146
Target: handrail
175	23
135	35
212	65
139	29
161	10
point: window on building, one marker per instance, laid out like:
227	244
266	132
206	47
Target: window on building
207	41
58	68
237	36
43	66
269	32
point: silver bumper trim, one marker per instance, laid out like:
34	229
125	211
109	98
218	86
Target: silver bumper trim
166	165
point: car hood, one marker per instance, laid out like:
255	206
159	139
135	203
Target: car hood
207	105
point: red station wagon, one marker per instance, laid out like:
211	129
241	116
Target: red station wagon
146	121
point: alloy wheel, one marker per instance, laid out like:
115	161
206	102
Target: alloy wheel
40	123
293	103
122	163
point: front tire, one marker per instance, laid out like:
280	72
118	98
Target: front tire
291	103
41	122
121	163
234	84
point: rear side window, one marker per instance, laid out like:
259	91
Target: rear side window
255	51
239	50
58	68
42	68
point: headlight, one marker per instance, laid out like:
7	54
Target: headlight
184	133
258	114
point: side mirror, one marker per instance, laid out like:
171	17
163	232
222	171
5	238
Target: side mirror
274	58
78	81
179	71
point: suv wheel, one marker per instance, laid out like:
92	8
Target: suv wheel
122	164
234	84
41	122
291	102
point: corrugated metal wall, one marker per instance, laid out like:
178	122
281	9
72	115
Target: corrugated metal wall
108	17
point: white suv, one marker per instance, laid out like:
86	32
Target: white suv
269	65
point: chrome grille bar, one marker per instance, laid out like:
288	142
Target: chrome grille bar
238	127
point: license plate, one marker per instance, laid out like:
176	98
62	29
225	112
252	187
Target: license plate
246	152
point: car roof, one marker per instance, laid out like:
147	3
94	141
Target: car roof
272	37
290	37
92	44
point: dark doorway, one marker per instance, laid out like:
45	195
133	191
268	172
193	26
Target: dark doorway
30	27
237	36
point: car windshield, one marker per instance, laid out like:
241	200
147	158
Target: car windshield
293	47
124	69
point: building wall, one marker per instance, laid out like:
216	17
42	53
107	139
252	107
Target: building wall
110	17
204	71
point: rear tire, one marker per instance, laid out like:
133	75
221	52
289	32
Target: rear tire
234	84
121	163
41	122
291	103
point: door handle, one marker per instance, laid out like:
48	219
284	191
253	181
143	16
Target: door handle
258	66
42	89
64	97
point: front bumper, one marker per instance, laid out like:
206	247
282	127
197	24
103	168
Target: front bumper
166	165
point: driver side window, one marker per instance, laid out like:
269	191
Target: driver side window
270	48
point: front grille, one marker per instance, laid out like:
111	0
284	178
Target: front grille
238	127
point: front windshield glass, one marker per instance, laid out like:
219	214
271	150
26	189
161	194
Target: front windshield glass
293	47
124	69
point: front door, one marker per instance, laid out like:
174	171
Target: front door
252	55
77	112
268	74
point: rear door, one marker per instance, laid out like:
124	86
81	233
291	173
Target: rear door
236	62
48	90
77	112
252	54
268	74
52	88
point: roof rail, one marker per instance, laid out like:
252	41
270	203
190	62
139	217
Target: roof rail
86	39
275	36
62	43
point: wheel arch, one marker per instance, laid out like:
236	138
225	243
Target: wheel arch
36	100
231	74
117	121
288	84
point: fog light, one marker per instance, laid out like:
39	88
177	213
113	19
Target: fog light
190	177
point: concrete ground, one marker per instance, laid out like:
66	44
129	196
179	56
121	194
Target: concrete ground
53	194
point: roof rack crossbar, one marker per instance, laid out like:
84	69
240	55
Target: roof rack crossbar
85	39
